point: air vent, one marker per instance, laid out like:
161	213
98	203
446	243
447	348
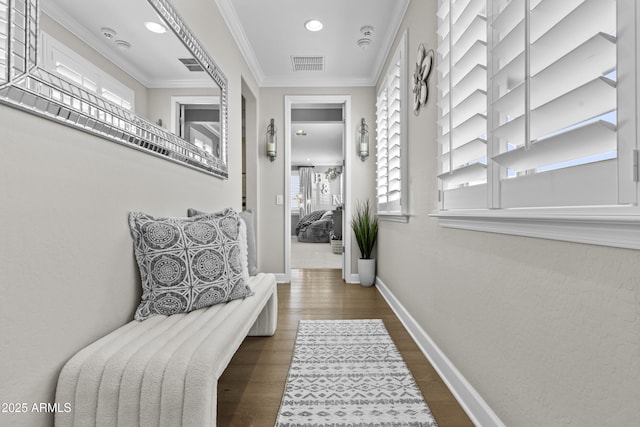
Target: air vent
307	63
191	64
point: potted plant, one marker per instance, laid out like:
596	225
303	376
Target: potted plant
365	226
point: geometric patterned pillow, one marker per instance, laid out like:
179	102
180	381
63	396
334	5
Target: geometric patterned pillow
189	263
252	250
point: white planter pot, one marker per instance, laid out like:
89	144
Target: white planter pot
367	271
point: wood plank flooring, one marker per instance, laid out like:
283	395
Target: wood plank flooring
250	389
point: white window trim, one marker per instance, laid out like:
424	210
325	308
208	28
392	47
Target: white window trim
402	51
615	226
612	226
394	217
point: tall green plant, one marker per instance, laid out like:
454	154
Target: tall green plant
365	226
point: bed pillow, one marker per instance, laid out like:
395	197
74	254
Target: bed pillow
189	263
327	215
309	219
252	249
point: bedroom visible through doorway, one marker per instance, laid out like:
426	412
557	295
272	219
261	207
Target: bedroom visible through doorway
317	184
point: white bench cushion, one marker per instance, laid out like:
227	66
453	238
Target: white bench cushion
163	371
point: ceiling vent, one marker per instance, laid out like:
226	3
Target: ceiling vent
191	64
307	63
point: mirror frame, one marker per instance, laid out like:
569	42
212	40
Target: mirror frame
26	86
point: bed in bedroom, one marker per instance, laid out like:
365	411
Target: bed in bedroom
315	227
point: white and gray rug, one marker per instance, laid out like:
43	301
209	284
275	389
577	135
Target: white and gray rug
350	373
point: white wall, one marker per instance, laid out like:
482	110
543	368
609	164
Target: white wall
547	332
67	270
272	175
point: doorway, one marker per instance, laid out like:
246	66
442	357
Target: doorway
197	120
317	182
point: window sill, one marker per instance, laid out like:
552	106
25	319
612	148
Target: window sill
403	218
616	227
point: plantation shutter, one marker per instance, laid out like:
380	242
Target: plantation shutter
393	138
534	87
391	169
555	102
382	148
462	51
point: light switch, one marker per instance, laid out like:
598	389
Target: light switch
279	199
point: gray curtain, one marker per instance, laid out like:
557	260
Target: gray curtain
306	189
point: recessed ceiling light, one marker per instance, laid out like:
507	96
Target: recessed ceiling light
313	25
154	27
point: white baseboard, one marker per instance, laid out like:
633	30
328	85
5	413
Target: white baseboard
353	278
285	278
472	403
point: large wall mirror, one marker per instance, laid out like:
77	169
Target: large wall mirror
118	69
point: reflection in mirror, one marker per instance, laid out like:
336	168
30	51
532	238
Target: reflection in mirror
115	73
200	125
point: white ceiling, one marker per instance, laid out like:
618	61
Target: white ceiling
322	144
152	58
270	32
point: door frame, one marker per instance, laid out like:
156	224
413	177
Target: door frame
188	99
345	101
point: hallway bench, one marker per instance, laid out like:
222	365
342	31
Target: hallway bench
163	371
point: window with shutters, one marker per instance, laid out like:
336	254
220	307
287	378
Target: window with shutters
463	101
391	134
59	59
537	116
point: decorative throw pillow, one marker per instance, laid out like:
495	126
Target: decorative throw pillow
252	249
189	263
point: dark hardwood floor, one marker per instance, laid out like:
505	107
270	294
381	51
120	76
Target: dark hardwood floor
251	387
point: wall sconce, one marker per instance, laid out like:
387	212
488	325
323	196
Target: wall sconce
271	141
363	140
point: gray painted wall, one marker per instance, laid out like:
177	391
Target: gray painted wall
271	218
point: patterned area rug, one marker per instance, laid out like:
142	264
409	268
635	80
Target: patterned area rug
350	373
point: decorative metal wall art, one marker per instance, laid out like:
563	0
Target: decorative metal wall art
424	64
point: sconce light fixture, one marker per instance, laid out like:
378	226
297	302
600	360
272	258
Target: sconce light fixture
363	140
271	141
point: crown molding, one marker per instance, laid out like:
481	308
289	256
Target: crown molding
233	22
59	15
314	81
395	24
179	83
